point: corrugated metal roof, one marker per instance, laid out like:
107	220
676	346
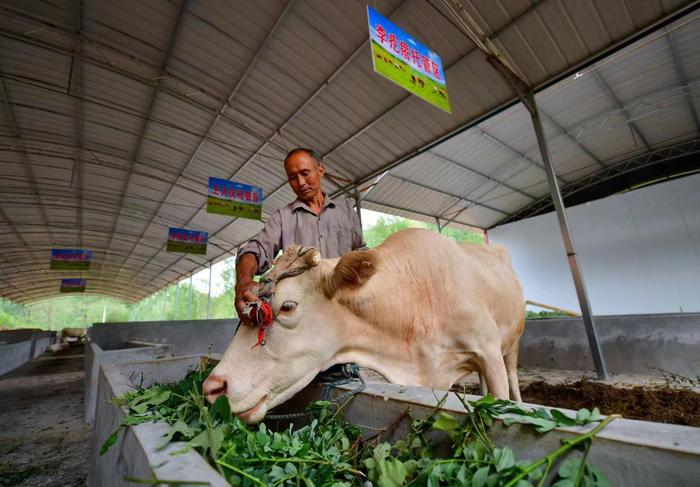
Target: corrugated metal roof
114	117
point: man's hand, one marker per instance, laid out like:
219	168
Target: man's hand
245	270
245	294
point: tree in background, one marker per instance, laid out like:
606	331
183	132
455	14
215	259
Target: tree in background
222	305
62	312
460	235
386	226
13	315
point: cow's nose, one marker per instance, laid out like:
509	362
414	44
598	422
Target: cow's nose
214	387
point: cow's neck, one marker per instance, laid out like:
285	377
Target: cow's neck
363	343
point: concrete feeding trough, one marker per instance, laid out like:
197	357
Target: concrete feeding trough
135	454
629	452
631	344
139	341
95	356
17	347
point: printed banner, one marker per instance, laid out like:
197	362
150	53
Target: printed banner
70	259
187	241
73	285
407	63
234	199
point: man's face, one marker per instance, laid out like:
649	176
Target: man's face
304	175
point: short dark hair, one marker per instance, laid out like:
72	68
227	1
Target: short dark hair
310	152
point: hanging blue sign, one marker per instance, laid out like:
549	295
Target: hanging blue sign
70	259
406	62
186	241
234	199
73	285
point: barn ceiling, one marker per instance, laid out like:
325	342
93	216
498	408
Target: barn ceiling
115	114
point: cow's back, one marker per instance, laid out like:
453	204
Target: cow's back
493	279
424	276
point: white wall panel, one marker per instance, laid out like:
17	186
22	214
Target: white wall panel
639	251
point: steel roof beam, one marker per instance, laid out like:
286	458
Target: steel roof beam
93	229
510	103
505	105
481	174
458	214
13	227
510	149
99	254
399	208
447	193
149	111
409	96
560	127
97	162
225	106
28	169
298	110
77	60
633	126
113	107
107	210
236	88
4	274
581	126
353	136
44	292
611	170
684	79
311	98
35	278
8	283
139	78
101	45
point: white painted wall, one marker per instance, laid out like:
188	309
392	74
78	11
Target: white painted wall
639	251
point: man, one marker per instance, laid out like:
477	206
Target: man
312	220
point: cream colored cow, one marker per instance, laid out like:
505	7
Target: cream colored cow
73	333
419	309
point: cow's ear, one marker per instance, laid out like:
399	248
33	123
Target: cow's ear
352	271
312	257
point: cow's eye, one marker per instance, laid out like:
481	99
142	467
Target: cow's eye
288	306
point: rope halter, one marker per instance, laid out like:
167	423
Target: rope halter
295	261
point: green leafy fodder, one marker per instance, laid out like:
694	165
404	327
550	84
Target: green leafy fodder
329	451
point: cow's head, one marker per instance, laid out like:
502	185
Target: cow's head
303	339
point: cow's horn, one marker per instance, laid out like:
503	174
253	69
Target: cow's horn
312	257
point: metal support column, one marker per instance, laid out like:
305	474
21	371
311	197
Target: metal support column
177	299
358	205
189	301
527	96
209	295
568	241
437	222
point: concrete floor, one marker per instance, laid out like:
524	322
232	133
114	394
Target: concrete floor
43	439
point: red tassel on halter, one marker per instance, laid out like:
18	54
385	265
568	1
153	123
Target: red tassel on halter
262	317
265	315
